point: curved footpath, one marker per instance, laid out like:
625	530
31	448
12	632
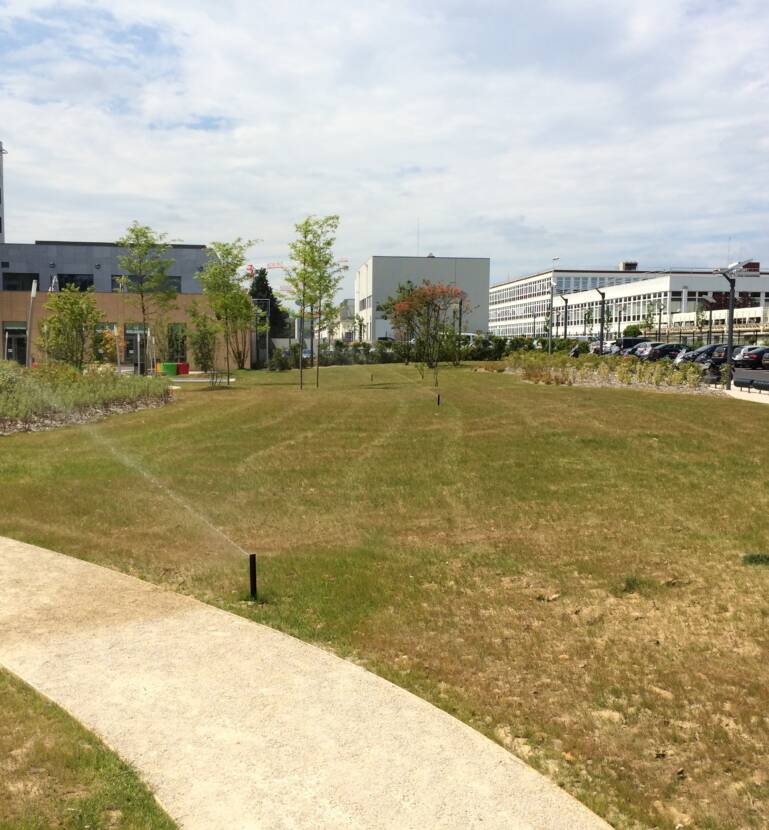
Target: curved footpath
235	725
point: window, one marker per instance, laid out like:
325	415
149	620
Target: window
81	281
5	264
19	282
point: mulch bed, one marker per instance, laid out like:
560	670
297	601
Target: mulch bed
44	423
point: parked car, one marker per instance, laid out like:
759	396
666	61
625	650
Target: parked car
664	350
595	346
644	348
751	358
718	356
697	355
632	351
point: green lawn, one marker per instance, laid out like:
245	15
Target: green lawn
561	567
56	774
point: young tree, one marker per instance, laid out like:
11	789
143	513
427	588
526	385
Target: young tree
203	337
647	323
70	331
145	273
699	316
588	320
428	309
402	317
229	300
315	273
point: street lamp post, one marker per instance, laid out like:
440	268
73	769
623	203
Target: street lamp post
32	295
565	315
550	319
601	321
730	275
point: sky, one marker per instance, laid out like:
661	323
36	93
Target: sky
590	130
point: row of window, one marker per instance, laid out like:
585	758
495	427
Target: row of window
23	282
131	336
365	303
564	285
509	322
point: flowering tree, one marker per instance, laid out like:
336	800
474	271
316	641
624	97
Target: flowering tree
423	314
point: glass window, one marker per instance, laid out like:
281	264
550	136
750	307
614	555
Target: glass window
81	281
19	282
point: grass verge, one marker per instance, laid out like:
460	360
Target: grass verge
558	566
57	774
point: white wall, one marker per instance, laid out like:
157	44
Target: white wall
380	277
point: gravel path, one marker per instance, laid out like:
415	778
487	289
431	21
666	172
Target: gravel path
235	725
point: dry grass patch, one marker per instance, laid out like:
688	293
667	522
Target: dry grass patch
561	567
53	773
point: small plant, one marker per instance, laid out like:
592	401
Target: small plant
279	361
633	584
755	559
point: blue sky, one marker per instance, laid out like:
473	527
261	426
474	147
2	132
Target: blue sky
592	130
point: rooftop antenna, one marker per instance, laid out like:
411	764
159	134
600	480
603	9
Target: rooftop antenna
3	152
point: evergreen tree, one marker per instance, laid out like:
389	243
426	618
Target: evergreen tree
260	289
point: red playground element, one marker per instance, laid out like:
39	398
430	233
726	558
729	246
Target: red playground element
182	368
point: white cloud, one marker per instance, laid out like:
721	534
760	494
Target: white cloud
589	130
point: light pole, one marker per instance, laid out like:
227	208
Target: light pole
32	295
601	321
550	319
730	275
565	316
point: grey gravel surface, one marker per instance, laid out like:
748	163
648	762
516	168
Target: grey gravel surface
235	725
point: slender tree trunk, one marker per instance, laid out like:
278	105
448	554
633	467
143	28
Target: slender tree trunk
317	356
301	341
312	335
142	333
227	349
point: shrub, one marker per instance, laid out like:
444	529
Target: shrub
279	361
59	390
540	367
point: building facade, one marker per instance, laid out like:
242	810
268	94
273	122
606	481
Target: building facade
344	328
379	277
53	265
665	302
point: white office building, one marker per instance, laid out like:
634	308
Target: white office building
379	277
663	301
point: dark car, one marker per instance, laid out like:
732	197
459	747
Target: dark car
750	358
639	349
664	350
718	356
698	355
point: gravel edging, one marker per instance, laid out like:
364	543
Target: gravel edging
82	416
